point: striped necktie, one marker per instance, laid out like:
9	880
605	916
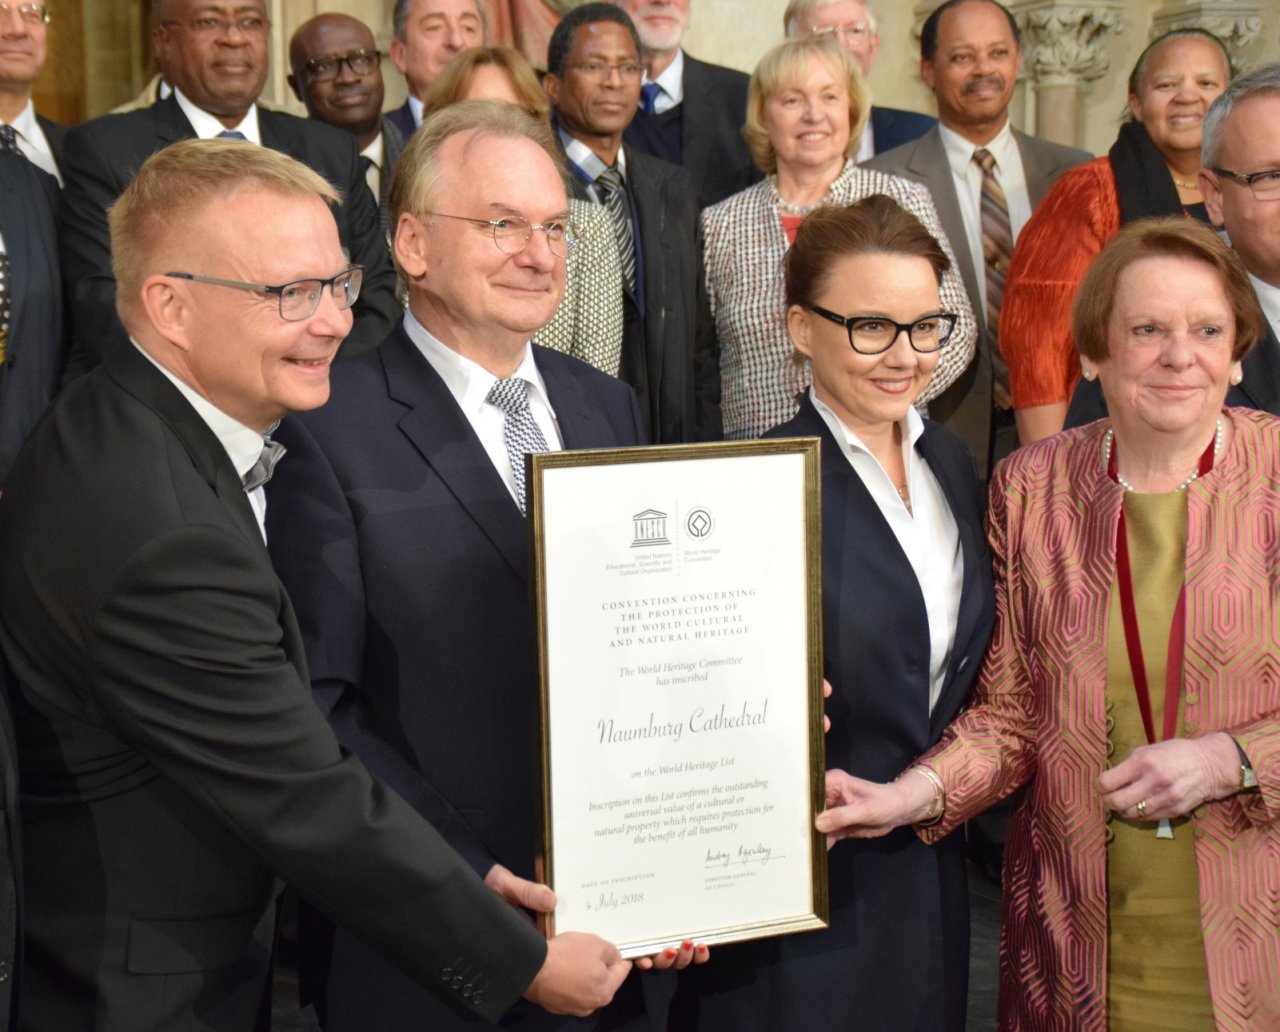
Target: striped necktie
9	139
520	433
613	196
997	248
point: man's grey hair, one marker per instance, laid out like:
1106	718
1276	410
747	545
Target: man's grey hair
1264	81
403	8
798	9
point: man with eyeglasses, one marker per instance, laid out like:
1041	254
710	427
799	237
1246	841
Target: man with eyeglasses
32	346
214	54
426	36
668	351
691	112
398	526
1240	179
337	75
852	24
174	764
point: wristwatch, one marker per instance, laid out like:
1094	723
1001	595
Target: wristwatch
1248	779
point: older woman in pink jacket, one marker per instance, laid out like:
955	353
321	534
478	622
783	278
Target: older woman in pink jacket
1133	680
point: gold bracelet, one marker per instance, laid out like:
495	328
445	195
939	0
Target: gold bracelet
939	805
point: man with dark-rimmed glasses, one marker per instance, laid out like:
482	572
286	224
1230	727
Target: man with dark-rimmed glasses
174	765
398	527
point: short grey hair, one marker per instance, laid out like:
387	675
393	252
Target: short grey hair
798	9
1264	81
403	8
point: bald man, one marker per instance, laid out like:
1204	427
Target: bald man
337	74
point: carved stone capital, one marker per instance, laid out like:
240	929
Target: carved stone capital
1063	43
1234	22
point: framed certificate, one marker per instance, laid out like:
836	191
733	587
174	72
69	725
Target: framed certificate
678	609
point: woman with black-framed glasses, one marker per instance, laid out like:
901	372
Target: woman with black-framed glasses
907	611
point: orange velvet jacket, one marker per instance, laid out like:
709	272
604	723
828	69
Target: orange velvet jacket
1038	719
1079	214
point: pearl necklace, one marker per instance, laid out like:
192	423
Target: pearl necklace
1106	460
794	209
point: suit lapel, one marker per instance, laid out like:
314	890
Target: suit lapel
581	423
700	113
171	123
135	374
1037	167
930	166
437	428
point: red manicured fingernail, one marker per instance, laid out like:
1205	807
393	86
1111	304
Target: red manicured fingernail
670	954
702	949
686	945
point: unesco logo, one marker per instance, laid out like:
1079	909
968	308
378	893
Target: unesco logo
699	524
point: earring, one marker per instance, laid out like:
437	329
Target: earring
1088	374
1235	379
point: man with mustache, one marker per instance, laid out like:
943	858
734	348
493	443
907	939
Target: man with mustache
969	57
337	74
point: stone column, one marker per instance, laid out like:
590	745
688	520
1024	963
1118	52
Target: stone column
1236	22
1063	51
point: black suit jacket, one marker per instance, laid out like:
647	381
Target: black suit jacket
101	158
1260	388
407	557
898	907
892	127
172	760
713	112
669	353
402	119
56	134
36	347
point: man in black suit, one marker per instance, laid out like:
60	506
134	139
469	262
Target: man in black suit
337	74
426	35
852	24
668	347
1239	139
23	47
690	112
173	764
31	338
398	525
215	56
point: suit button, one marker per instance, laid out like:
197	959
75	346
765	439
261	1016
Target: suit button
446	973
4	971
457	982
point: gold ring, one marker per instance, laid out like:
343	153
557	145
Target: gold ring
1142	809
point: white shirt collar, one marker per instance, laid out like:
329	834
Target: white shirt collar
587	160
1269	299
960	150
415	109
32	142
207	127
912	426
375	151
671	82
468	381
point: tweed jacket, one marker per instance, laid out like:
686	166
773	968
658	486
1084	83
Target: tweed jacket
1039	719
744	244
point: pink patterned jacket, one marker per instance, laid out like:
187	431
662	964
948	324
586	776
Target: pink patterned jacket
1038	719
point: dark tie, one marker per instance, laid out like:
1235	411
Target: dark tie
649	94
519	432
260	473
9	139
614	197
4	306
232	134
997	247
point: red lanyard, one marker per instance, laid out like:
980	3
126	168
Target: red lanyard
1129	610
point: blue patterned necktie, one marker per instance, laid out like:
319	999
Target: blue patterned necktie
613	196
519	432
649	94
232	134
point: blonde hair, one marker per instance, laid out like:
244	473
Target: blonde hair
452	82
786	66
176	184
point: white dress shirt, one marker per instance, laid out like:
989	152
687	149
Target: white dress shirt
671	82
470	383
207	127
967	175
584	158
375	152
33	143
928	534
415	109
242	443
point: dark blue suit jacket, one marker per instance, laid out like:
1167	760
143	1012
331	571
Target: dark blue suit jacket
402	119
407	557
892	127
1260	388
896	953
36	347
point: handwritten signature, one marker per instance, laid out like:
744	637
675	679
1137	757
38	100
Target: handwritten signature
757	854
